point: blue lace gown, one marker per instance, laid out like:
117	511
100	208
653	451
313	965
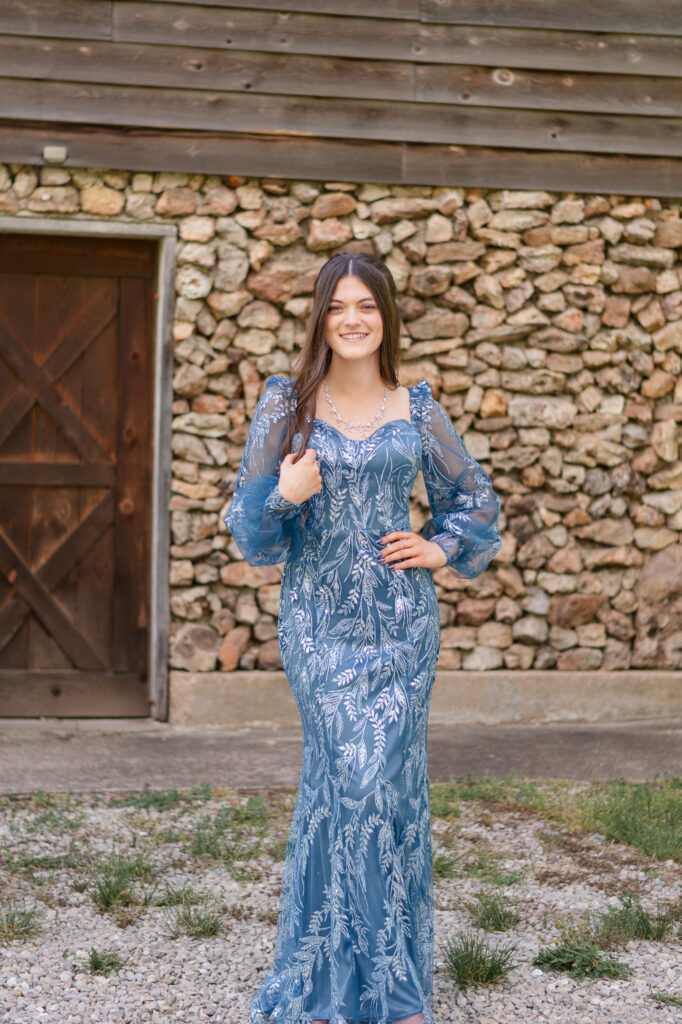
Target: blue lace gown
359	643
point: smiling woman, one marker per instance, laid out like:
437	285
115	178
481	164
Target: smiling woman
359	635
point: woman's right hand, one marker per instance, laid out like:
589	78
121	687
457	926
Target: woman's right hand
299	480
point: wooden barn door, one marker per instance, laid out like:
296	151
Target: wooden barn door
76	320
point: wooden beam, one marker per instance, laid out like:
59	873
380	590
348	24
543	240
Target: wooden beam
244	71
380	120
57	474
82	19
393	39
64	694
660	17
385	9
314	159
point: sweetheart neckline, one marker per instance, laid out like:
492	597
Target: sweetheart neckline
363	440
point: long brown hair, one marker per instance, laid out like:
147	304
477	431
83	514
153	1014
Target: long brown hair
315	356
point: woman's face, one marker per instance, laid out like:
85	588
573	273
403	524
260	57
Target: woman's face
353	325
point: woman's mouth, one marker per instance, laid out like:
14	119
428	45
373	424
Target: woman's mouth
355	336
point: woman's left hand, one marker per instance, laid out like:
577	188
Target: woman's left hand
416	552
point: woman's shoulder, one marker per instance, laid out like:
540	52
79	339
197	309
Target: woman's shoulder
278	380
276	399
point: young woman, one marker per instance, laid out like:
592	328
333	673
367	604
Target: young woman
359	635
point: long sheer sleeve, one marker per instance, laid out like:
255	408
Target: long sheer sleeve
464	506
266	526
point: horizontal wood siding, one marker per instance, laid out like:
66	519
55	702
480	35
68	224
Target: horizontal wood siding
326	159
563	79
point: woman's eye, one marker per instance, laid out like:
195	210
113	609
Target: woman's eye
364	309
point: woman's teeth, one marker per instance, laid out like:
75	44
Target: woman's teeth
353	337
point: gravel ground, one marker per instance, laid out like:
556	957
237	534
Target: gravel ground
49	846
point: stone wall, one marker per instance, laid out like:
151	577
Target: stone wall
550	328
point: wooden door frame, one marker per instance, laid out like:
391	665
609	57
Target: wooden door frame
162	361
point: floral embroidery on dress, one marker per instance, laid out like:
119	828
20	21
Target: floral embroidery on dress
359	643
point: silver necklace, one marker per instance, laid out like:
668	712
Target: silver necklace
365	426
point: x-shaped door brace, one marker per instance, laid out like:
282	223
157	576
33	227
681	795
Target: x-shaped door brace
100	311
32	586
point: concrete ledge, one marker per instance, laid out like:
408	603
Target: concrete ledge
234	700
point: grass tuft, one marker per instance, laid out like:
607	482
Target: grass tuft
484	864
492	911
580	960
99	963
17	922
197	920
235	836
113	879
163	800
631	920
471	960
667	998
644	815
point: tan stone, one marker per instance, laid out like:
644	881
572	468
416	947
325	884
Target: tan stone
658	642
642	255
269	657
228	303
471	611
494	634
430	280
446	252
102	200
386	211
511	580
664	440
55	199
530	628
177	202
438	229
241	574
268	598
279	233
9	202
194	647
669	478
651	539
333	204
658	384
669	233
438	323
181	572
623	556
635	280
482	659
197	229
519	656
461	637
617	623
579	659
288	274
217	201
493	404
566	560
574	609
607	531
591	634
190	380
